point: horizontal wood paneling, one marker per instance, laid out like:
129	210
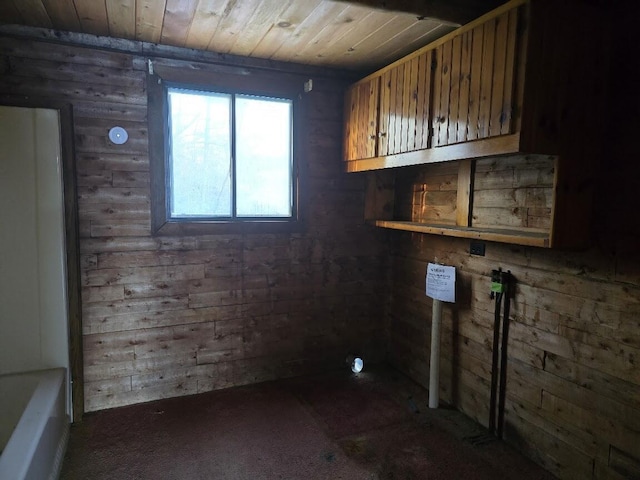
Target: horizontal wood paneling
573	391
166	316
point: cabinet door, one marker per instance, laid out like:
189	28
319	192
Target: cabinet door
361	120
405	94
474	82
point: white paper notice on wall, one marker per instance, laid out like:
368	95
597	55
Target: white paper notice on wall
441	282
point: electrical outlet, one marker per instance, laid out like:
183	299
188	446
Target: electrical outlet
477	248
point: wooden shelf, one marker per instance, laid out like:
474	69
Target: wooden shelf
525	139
532	238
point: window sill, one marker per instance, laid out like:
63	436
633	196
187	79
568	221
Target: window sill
227	228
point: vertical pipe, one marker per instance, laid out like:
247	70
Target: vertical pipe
494	362
434	365
503	354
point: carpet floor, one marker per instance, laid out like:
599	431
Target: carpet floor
373	426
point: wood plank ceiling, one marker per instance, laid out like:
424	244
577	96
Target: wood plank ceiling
341	34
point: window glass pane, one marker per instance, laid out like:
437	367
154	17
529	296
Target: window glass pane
200	165
263	157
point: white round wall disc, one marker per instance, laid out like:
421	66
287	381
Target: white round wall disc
118	135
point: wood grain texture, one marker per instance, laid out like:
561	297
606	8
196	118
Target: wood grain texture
63	13
149	19
178	16
122	18
164	316
34	11
465	194
92	16
473	127
319	32
567	384
486	81
454	93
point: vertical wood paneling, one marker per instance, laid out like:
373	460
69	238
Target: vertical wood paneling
510	70
465	80
474	82
454	94
499	70
399	108
486	82
373	98
406	107
349	123
361	111
413	104
385	113
364	115
361	118
423	118
437	89
393	117
445	90
473	128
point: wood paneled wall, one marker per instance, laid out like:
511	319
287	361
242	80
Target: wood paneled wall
573	389
168	316
573	383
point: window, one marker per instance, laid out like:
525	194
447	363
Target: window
226	159
230	156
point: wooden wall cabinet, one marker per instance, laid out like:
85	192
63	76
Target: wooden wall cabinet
527	79
390	112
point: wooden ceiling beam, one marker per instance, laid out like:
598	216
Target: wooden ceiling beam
451	11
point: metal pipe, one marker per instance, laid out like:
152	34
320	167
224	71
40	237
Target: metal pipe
434	364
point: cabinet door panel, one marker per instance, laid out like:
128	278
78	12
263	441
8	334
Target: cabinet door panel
442	80
486	80
510	73
462	128
477	40
499	77
396	113
387	95
361	120
454	93
410	104
423	101
474	82
405	106
349	124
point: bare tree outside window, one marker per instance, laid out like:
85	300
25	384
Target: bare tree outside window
231	155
